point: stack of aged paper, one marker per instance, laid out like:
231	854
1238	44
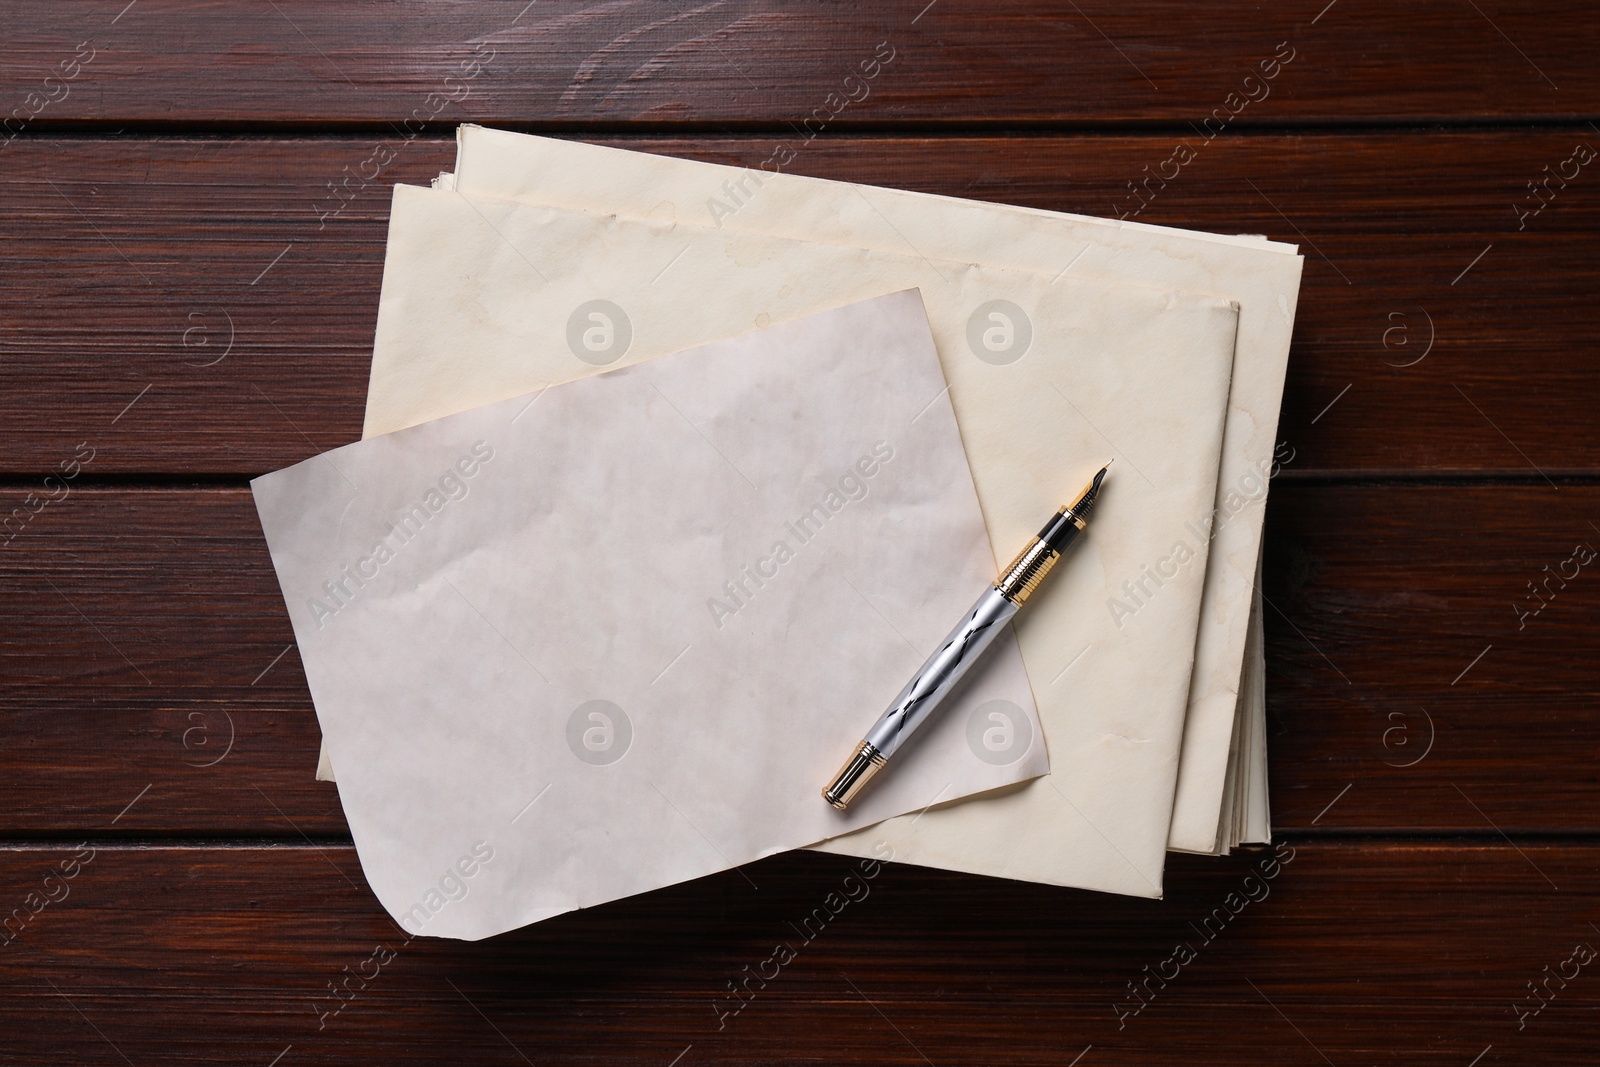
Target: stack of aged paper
542	267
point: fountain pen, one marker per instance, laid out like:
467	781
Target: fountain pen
958	652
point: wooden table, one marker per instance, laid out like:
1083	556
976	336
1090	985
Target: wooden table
193	220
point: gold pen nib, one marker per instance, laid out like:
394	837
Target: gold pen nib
1085	502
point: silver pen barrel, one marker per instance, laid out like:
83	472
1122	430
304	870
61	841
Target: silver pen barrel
953	658
957	653
926	691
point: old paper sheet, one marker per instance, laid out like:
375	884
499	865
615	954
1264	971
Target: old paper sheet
618	634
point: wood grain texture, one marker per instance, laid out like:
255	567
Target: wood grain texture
193	235
1433	334
765	61
145	644
145	629
1409	661
1359	953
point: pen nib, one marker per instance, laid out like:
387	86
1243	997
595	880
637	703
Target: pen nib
1085	502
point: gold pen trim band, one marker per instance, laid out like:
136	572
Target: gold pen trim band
857	771
1018	581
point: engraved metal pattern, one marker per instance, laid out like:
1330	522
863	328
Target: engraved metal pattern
944	668
1020	579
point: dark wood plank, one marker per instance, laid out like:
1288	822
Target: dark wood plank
1372	954
144	628
759	60
1410	660
142	259
146	654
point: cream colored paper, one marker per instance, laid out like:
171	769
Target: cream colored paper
484	299
1246	815
503	617
1262	277
1256	817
